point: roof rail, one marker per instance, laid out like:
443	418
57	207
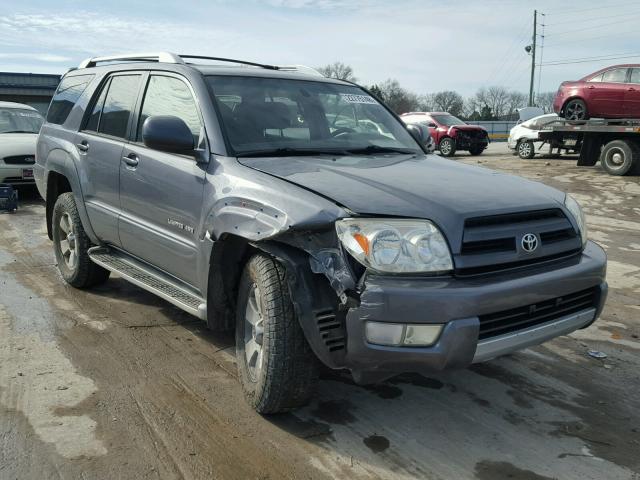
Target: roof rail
165	57
168	57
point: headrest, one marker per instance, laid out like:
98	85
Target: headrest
267	115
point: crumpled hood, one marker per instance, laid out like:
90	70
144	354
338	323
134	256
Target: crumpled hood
466	128
431	187
17	144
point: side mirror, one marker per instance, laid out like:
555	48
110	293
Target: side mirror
432	125
167	133
417	133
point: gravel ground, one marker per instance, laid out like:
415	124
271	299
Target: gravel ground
116	383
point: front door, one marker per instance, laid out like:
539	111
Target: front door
632	95
100	143
607	97
160	192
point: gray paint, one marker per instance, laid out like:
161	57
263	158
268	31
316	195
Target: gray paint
287	207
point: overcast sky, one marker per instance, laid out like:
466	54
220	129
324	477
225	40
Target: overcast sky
427	45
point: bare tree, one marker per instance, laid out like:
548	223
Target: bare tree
515	100
338	70
448	101
544	100
399	99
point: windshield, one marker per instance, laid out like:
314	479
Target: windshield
273	116
447	120
19	120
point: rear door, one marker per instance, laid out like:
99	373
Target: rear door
100	143
161	196
632	95
606	97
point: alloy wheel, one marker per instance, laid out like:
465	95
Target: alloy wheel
68	246
254	332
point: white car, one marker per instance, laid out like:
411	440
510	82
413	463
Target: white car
19	127
524	138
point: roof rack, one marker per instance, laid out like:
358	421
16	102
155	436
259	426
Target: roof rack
164	57
168	57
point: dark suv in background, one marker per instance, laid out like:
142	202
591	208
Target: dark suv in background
301	212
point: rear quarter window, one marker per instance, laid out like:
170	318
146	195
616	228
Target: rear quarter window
66	96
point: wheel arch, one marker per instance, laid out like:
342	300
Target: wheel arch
311	293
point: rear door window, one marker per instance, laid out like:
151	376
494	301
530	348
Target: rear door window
66	96
617	75
94	118
118	105
635	75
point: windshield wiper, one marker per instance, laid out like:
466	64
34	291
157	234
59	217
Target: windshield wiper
19	131
371	149
290	152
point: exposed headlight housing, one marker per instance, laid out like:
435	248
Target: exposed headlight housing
574	207
396	245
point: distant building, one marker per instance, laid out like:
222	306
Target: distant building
35	89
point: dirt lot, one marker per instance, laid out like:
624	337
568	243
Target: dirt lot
116	383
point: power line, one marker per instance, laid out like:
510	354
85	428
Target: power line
592	38
496	73
572	11
589	61
584	20
567	32
606	56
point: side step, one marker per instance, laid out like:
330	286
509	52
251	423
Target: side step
150	279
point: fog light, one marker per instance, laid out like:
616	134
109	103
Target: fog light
397	334
384	333
422	335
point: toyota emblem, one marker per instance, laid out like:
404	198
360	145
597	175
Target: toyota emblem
529	242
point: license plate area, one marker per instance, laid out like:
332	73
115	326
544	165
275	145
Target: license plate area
27	173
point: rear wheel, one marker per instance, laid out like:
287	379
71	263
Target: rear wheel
575	109
277	369
526	150
447	147
70	245
620	157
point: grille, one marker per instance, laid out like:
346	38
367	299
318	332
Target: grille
507	321
492	243
331	330
20	160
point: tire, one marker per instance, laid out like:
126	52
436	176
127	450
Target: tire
620	157
526	150
277	368
70	245
476	150
576	109
447	147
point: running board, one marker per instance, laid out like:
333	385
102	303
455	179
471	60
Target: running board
152	280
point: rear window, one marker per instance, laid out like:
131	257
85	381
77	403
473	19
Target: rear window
617	75
66	96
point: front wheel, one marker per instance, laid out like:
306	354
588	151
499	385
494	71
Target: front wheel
277	369
526	150
476	150
447	147
70	245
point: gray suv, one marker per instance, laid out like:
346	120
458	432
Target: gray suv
301	212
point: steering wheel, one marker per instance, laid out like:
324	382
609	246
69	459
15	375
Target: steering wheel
341	131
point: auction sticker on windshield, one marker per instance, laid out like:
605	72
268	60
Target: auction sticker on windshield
352	98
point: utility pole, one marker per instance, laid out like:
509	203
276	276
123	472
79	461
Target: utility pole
533	56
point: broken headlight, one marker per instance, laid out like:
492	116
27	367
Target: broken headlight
576	210
395	245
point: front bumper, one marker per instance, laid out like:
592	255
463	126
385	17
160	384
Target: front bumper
458	303
14	174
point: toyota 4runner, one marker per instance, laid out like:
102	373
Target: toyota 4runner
302	212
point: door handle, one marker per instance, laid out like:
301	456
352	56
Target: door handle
631	89
83	146
591	87
131	160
